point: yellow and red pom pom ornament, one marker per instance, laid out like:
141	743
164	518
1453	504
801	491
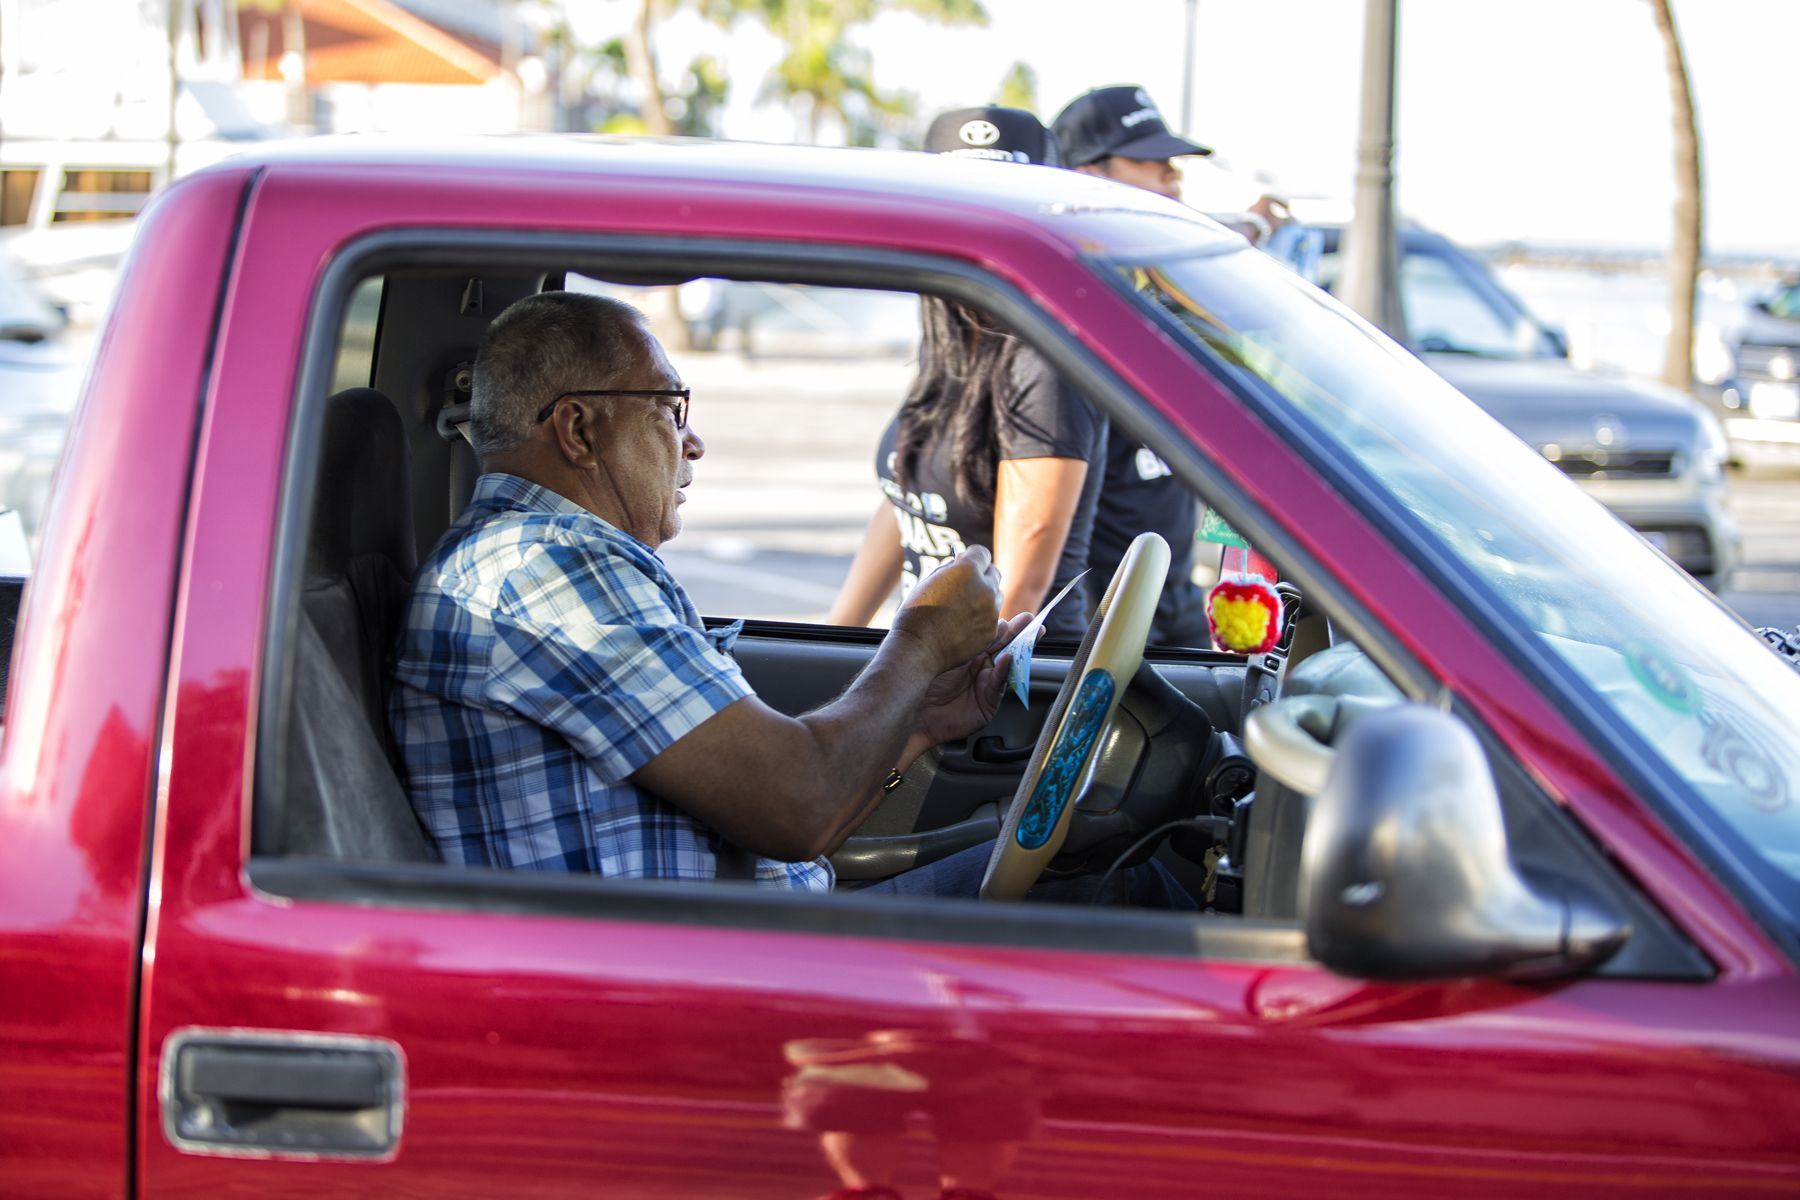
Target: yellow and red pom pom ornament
1244	615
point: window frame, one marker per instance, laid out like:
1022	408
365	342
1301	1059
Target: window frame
444	887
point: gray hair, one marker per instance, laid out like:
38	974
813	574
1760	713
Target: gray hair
538	349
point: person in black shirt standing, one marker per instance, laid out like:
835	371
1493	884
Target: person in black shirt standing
991	446
1117	133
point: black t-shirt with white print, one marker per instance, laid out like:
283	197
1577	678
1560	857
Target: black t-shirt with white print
1140	495
1040	417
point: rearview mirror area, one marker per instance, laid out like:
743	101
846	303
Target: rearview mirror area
1406	872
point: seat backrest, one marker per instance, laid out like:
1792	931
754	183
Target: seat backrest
344	798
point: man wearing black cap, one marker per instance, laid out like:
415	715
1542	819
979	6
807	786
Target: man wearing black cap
992	132
1117	133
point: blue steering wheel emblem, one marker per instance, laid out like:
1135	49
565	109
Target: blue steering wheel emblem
1081	730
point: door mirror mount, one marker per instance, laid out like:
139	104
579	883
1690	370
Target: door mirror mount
1405	872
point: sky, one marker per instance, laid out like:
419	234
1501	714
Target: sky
1536	120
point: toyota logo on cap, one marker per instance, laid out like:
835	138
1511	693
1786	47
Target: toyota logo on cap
979	133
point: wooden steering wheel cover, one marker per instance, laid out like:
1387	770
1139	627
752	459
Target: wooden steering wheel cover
1062	762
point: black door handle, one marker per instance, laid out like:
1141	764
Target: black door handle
310	1094
993	749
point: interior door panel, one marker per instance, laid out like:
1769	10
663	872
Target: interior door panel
959	782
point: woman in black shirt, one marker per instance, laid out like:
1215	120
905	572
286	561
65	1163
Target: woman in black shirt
992	448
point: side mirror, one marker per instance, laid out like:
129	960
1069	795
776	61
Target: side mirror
1405	873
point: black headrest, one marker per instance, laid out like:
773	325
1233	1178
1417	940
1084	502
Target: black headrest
363	499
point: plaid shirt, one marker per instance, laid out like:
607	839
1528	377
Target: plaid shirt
545	657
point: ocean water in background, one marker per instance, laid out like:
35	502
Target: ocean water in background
1617	320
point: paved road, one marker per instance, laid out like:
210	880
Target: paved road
786	488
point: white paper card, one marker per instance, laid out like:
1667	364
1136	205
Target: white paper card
1019	672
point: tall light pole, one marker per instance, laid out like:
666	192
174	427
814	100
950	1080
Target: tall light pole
1369	280
1187	68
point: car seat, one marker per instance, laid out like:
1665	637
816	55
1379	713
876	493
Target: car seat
343	795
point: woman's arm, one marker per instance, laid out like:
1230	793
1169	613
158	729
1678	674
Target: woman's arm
1034	502
874	574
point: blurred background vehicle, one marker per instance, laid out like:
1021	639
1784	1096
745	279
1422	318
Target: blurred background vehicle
40	374
1652	455
1751	360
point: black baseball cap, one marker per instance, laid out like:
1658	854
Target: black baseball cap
993	132
1119	120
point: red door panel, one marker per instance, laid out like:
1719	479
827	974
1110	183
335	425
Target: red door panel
549	1056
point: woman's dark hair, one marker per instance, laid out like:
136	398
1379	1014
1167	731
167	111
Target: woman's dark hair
965	362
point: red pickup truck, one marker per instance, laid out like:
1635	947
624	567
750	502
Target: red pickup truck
1498	850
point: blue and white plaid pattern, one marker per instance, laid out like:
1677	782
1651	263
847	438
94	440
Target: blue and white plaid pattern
546	656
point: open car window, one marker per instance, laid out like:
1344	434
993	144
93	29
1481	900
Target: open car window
793	386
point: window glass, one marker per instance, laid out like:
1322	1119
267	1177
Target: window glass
1446	313
1443	313
17	188
795	390
1668	661
97	195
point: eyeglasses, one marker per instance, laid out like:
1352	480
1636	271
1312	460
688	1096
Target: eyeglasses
682	397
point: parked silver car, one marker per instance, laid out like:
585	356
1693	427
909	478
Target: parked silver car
1753	360
40	377
1654	456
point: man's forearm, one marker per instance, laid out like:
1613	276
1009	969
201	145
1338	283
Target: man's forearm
793	787
863	734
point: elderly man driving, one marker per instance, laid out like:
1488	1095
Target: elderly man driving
559	703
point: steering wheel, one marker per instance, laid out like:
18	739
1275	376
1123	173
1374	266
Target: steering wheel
1062	762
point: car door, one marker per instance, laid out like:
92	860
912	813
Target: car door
364	1029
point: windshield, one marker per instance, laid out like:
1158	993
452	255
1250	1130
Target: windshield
1444	313
1451	302
1706	696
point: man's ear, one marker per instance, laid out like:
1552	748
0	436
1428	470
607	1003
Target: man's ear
576	435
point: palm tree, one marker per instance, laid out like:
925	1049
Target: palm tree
640	61
1019	88
640	53
824	71
820	68
1686	242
